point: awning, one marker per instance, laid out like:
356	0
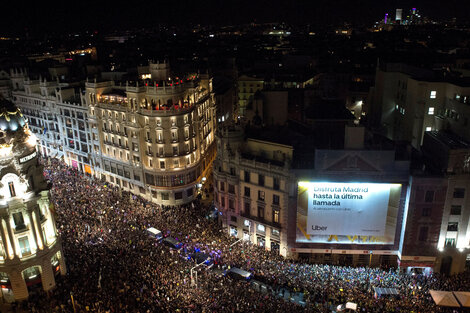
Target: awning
444	298
463	297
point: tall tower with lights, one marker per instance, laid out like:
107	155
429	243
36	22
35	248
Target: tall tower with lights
30	250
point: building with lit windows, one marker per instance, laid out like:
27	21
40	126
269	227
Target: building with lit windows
57	114
155	136
30	249
246	89
252	181
408	101
273	194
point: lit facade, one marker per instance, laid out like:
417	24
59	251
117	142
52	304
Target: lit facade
30	249
246	89
252	181
153	137
57	115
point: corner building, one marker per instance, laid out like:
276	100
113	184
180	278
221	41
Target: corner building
30	250
153	137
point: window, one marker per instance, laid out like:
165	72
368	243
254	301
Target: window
455	210
162	164
426	212
232	171
247	208
428	129
246	223
137	177
233	218
431	111
222	201
261	180
261	228
275	232
261	212
453	226
222	186
247	192
247	177
429	197
165	196
459	193
276	183
231	188
276	216
19	221
24	245
231	204
433	94
11	187
261	195
423	234
178	195
276	199
450	242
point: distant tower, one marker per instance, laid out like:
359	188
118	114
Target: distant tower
386	18
159	71
398	15
30	249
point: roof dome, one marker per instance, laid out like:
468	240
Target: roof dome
11	118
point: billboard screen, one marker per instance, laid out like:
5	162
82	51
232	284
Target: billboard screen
353	213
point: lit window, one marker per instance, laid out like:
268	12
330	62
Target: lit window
431	111
433	94
428	129
246	223
261	228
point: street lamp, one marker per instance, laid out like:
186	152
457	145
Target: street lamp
73	302
194	281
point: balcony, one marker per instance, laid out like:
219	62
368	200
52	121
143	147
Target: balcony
160	141
260	220
149	153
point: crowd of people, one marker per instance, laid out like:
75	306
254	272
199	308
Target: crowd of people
113	265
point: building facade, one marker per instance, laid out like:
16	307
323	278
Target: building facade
153	137
407	102
252	180
57	114
30	247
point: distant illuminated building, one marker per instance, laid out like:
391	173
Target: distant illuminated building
386	18
398	15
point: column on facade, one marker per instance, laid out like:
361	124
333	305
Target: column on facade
18	285
37	223
7	248
47	275
33	228
11	237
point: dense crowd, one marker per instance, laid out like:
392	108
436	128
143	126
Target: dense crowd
114	266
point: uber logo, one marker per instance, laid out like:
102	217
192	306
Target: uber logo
316	227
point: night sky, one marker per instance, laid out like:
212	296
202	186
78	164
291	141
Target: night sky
39	17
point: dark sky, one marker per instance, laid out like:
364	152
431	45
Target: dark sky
40	16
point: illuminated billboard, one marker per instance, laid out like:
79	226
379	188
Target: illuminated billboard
352	213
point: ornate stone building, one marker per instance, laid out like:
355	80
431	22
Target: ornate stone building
30	250
154	136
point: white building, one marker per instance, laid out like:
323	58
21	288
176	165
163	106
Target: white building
155	136
30	249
